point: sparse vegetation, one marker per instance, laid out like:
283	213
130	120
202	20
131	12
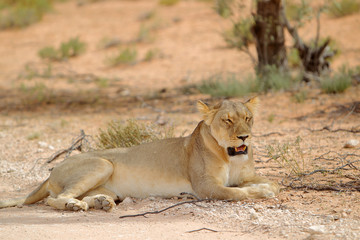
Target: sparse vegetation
240	35
289	156
216	86
274	79
22	13
144	35
118	135
293	58
125	56
271	118
72	48
298	11
33	136
168	2
300	96
338	82
151	54
37	93
231	85
340	8
49	53
223	7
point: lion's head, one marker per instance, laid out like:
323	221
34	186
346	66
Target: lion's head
230	123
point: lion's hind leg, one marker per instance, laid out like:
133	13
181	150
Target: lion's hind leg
69	182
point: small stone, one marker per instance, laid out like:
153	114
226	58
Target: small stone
316	229
351	143
127	200
330	218
51	147
253	214
343	214
43	144
151	198
258	208
125	93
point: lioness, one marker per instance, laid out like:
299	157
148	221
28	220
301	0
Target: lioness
215	161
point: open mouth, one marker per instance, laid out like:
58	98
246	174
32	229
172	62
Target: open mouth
233	151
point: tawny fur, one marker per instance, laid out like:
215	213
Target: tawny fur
198	164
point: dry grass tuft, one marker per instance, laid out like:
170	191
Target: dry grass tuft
132	133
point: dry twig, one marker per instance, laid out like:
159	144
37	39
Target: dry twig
201	229
77	144
164	209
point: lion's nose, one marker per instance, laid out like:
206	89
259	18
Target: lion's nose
243	137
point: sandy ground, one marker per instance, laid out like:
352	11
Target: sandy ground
191	47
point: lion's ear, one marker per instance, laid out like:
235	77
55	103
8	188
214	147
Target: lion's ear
252	104
207	112
202	107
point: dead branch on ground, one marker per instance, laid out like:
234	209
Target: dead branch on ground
165	209
355	129
77	144
202	229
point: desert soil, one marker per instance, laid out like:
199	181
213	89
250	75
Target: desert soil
36	124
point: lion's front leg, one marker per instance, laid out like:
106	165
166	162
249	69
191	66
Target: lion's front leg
260	187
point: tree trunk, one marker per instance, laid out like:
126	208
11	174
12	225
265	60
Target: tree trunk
268	31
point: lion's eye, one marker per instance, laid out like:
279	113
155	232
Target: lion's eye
228	121
247	119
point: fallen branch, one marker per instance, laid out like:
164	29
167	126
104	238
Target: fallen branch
77	144
202	229
164	209
268	134
333	170
327	128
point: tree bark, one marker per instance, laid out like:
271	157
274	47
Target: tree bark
268	31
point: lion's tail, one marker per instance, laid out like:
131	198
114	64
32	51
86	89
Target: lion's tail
38	194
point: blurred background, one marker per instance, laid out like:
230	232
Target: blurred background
71	52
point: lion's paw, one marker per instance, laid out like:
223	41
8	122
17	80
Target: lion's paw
263	190
76	205
103	202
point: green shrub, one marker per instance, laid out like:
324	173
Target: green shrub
294	58
37	93
300	97
22	13
71	48
127	56
338	82
273	79
340	8
230	85
298	11
168	2
223	8
49	53
144	35
216	86
119	135
151	54
240	35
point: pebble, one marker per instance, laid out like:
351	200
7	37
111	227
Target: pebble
43	144
253	214
351	143
316	229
